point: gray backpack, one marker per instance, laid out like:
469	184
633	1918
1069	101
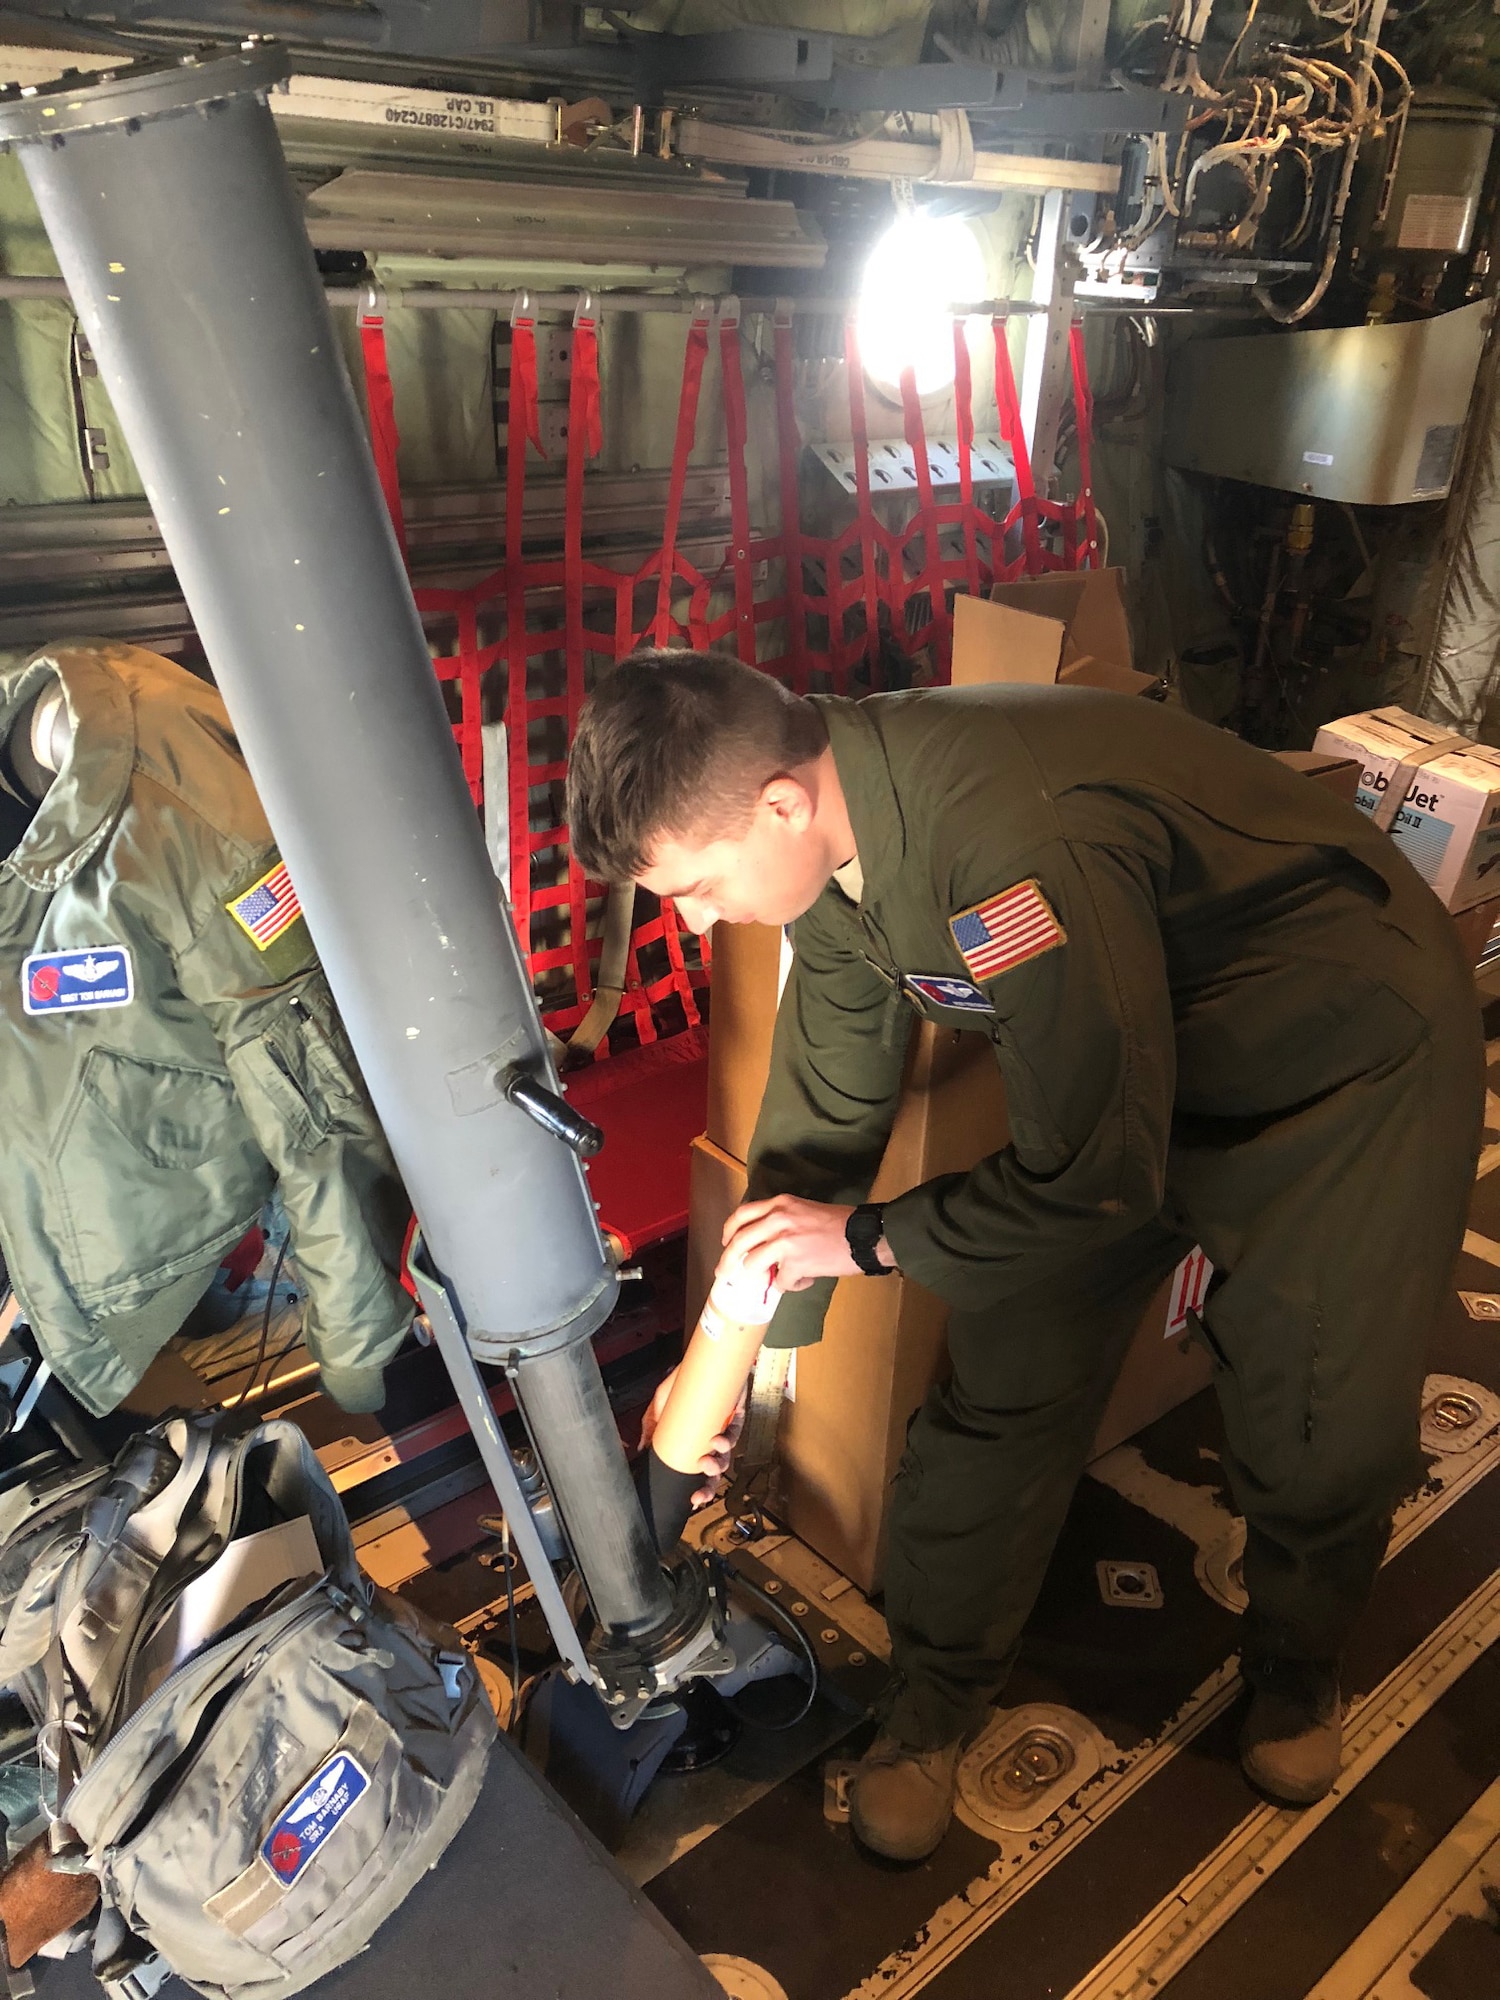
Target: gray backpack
255	1805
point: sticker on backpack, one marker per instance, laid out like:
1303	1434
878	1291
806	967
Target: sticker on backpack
305	1827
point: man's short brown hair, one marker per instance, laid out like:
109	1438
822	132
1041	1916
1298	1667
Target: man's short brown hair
678	743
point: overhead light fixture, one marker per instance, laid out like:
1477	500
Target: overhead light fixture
921	267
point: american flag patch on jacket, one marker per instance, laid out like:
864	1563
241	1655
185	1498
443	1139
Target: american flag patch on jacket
1005	930
267	908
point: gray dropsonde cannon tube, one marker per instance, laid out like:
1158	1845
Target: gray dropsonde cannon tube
170	209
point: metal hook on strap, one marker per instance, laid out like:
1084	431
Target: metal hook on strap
521	313
585	313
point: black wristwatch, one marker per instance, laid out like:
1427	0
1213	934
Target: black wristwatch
862	1232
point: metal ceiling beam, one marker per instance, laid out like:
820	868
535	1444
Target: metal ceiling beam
401	27
477	120
882	159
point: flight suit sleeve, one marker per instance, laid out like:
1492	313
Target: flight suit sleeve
1085	1037
837	1057
296	1077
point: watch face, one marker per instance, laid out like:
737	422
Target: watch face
863	1231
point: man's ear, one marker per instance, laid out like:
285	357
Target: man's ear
789	801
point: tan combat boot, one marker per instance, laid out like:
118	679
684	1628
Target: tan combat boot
901	1800
1293	1737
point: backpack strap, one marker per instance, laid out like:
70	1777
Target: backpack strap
132	1527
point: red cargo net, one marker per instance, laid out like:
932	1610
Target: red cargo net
835	606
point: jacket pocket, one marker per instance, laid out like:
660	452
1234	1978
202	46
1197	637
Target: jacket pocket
282	1064
156	1167
174	1115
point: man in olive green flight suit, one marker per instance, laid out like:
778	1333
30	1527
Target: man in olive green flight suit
1227	1012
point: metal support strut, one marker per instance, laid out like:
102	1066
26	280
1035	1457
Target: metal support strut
171	212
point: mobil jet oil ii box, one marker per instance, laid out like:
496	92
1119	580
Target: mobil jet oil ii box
1436	794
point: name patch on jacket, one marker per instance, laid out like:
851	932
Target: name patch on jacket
1006	930
940	991
314	1816
74	982
267	908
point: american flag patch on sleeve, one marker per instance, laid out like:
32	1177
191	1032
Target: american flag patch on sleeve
1006	930
267	908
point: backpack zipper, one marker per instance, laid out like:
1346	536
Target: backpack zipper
302	1611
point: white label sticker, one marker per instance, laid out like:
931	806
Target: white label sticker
1317	458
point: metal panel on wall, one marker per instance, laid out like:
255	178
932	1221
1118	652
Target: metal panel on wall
1370	415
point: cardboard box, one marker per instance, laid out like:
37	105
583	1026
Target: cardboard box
1336	774
1448	820
885	1339
1069	628
750	966
1475	927
1163	1365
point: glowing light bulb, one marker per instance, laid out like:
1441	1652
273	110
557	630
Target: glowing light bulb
919	268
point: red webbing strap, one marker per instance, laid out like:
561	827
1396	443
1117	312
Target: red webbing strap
1008	403
687	424
931	574
522	423
471	703
625	615
380	397
1083	408
859	432
671	930
963	407
737	428
584	439
789	446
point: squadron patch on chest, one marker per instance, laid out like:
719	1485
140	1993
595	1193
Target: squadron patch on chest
1006	930
77	982
939	990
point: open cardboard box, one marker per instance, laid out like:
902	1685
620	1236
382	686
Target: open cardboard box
1069	628
885	1340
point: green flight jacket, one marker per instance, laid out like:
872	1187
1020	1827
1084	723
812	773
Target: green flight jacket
142	1138
1237	943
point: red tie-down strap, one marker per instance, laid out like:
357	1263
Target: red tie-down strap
523	426
963	410
1008	404
1083	407
585	436
930	576
380	397
869	537
737	436
789	448
687	425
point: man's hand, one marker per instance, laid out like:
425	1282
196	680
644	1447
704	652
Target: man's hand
797	1240
715	1463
